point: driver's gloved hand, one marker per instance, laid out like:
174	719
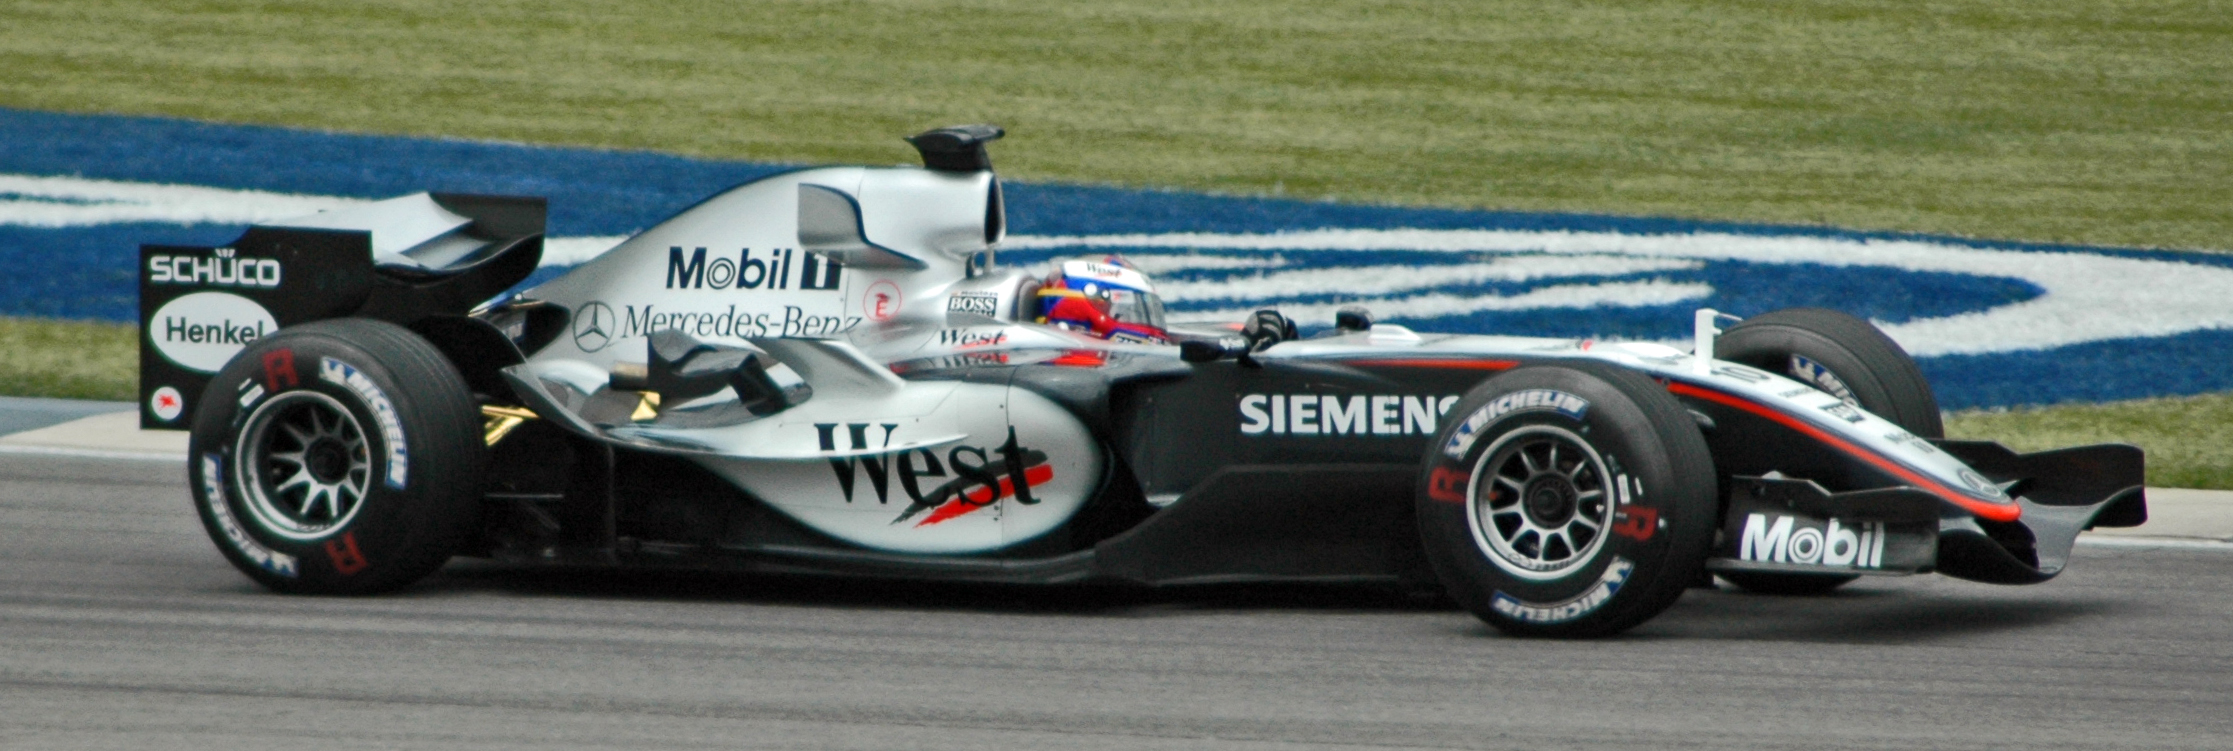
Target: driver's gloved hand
1266	328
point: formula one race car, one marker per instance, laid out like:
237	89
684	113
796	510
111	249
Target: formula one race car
825	371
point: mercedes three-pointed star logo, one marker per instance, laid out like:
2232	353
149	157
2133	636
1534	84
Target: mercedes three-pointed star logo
593	327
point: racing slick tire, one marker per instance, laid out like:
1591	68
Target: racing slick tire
1841	355
337	457
1845	357
1567	500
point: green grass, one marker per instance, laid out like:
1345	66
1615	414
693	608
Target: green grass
71	359
2101	122
2189	440
2093	122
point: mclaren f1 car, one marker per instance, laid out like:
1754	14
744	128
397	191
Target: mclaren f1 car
827	371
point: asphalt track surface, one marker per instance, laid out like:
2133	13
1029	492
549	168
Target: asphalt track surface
120	627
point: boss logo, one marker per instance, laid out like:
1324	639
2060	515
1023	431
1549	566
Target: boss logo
984	305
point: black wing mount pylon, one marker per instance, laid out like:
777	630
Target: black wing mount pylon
959	148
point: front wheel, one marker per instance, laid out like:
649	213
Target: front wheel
1567	500
1845	357
337	457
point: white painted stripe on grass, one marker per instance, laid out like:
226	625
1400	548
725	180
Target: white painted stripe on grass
1385	280
1159	263
55	202
58	202
2089	297
1625	294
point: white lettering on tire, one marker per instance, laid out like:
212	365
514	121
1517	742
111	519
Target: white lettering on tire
383	411
1571	608
213	488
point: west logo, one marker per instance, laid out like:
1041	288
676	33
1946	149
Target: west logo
693	271
968	338
1327	414
1788	539
979	477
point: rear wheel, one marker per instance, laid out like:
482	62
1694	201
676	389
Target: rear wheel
1845	357
1568	500
337	457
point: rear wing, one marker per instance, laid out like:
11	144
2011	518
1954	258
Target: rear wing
400	260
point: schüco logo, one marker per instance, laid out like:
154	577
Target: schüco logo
203	330
223	268
773	269
1328	414
1790	539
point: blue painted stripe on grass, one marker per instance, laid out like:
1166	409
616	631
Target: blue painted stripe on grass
86	272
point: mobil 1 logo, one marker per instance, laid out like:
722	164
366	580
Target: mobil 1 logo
771	269
1770	533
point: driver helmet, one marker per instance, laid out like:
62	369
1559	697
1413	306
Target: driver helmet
1107	298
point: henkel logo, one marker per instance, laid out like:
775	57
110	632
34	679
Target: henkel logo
203	330
1328	414
1788	539
222	268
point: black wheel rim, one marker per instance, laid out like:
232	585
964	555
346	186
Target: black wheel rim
303	465
1541	502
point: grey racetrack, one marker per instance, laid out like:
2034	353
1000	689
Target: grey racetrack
120	627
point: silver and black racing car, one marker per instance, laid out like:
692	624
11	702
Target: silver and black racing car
826	371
